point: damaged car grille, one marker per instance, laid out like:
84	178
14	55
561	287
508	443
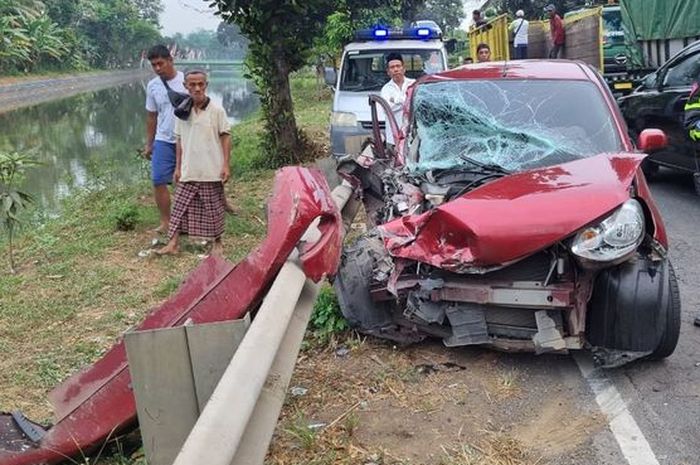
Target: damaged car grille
519	302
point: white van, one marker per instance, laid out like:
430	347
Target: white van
363	72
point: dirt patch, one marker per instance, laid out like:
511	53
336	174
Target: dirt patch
554	432
423	404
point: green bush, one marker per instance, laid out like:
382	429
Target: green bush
327	319
125	216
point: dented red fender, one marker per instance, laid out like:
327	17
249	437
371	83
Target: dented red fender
516	215
93	405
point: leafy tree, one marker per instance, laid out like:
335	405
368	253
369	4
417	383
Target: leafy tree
230	35
12	199
149	9
224	43
116	32
47	41
73	33
66	13
281	34
447	13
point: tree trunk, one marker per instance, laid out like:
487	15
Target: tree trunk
283	143
282	109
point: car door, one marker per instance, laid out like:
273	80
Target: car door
676	82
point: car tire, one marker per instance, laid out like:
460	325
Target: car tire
352	285
696	182
650	170
672	329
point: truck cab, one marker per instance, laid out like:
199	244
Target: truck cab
614	50
363	72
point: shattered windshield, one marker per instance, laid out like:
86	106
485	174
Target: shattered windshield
513	124
366	70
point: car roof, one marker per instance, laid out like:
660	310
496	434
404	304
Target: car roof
401	44
520	69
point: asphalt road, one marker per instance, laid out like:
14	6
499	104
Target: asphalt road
664	397
661	398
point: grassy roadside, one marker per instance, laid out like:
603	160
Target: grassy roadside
82	282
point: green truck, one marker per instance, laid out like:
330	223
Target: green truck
613	48
639	36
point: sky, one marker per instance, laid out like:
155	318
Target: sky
186	16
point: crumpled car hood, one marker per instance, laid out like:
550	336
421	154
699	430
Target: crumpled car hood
514	216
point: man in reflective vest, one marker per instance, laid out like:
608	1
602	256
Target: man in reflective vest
692	124
692	112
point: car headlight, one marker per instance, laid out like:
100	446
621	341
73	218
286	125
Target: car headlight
341	118
613	239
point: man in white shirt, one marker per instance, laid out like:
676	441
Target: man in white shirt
519	27
160	124
394	91
203	154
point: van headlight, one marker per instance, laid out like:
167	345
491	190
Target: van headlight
613	239
341	118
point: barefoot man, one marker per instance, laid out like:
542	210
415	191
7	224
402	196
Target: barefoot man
160	122
203	150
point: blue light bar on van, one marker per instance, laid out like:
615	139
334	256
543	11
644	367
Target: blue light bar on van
383	33
380	33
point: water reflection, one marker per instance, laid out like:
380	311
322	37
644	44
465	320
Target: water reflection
93	137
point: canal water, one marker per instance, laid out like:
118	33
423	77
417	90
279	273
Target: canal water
91	140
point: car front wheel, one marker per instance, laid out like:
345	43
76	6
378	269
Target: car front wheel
635	307
672	328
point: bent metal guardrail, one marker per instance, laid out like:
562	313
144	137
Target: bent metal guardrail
255	382
97	403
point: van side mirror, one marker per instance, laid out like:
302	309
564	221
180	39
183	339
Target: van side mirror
652	140
451	45
330	76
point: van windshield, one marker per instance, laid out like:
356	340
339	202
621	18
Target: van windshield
366	70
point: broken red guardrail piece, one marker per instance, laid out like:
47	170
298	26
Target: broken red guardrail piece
97	403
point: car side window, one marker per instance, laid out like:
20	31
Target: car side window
684	73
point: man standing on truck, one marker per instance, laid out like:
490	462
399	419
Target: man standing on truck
394	91
478	20
556	29
519	28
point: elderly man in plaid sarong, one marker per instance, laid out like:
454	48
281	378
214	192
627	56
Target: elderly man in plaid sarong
202	151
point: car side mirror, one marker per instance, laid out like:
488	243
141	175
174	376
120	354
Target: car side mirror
330	76
451	45
651	81
652	140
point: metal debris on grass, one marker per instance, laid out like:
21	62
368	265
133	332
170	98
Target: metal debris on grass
298	391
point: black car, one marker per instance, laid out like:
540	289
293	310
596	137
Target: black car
658	103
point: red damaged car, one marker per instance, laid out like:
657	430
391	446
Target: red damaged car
512	213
